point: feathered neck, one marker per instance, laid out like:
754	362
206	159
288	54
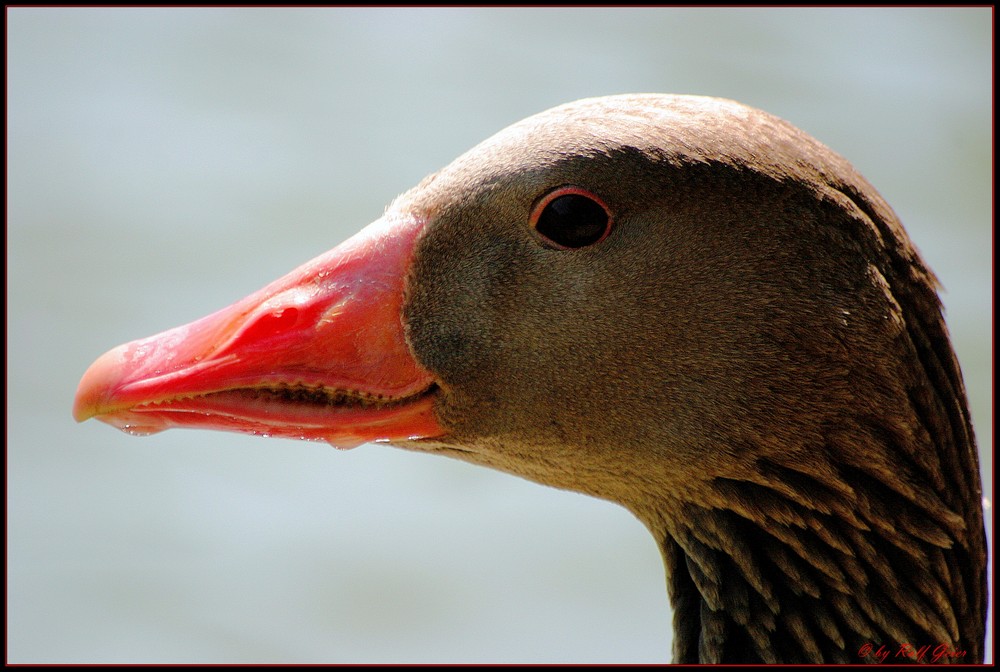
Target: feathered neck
798	569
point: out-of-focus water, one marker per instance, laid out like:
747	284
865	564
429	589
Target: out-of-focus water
164	163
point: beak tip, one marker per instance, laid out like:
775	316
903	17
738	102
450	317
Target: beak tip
97	385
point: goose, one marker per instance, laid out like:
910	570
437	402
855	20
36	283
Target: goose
680	304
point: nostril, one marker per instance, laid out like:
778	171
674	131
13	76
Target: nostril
267	326
274	323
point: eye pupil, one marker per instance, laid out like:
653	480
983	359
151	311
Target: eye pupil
573	220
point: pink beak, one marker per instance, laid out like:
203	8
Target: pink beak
319	354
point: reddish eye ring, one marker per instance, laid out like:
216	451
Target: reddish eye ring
571	218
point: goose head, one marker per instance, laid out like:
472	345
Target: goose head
680	304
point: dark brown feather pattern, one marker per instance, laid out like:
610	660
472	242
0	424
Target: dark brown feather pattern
776	394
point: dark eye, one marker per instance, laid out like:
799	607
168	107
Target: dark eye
571	218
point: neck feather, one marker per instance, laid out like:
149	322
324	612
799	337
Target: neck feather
802	571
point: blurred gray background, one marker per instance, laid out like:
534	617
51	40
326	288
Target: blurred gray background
165	162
